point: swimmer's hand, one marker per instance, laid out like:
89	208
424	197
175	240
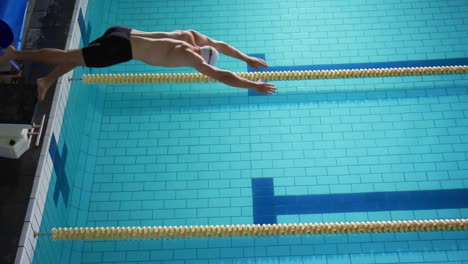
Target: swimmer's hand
264	88
256	63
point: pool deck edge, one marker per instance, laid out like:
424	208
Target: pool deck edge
32	221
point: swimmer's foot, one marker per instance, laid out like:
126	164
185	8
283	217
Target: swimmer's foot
43	85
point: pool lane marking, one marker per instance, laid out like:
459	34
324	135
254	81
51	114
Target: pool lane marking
58	160
349	66
267	206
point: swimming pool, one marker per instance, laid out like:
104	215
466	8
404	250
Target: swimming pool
196	154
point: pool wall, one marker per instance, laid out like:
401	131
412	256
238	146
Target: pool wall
59	183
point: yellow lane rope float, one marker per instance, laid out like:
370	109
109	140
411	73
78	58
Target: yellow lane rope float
218	231
272	76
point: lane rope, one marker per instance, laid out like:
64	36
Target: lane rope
145	78
217	231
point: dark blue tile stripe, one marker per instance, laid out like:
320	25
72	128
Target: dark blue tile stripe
348	66
267	206
369	65
263	200
85	30
53	147
62	185
372	65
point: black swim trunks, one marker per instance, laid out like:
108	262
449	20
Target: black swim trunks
112	48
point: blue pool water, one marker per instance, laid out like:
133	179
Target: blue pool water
317	151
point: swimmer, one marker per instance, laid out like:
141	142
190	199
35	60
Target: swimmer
167	49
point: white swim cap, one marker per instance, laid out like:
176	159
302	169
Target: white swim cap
209	54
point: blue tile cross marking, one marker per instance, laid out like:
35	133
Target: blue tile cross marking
267	206
85	29
348	66
61	186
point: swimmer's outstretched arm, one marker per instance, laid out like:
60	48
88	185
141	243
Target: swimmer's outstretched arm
223	47
227	77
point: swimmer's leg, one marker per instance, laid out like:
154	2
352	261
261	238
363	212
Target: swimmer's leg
44	83
47	56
